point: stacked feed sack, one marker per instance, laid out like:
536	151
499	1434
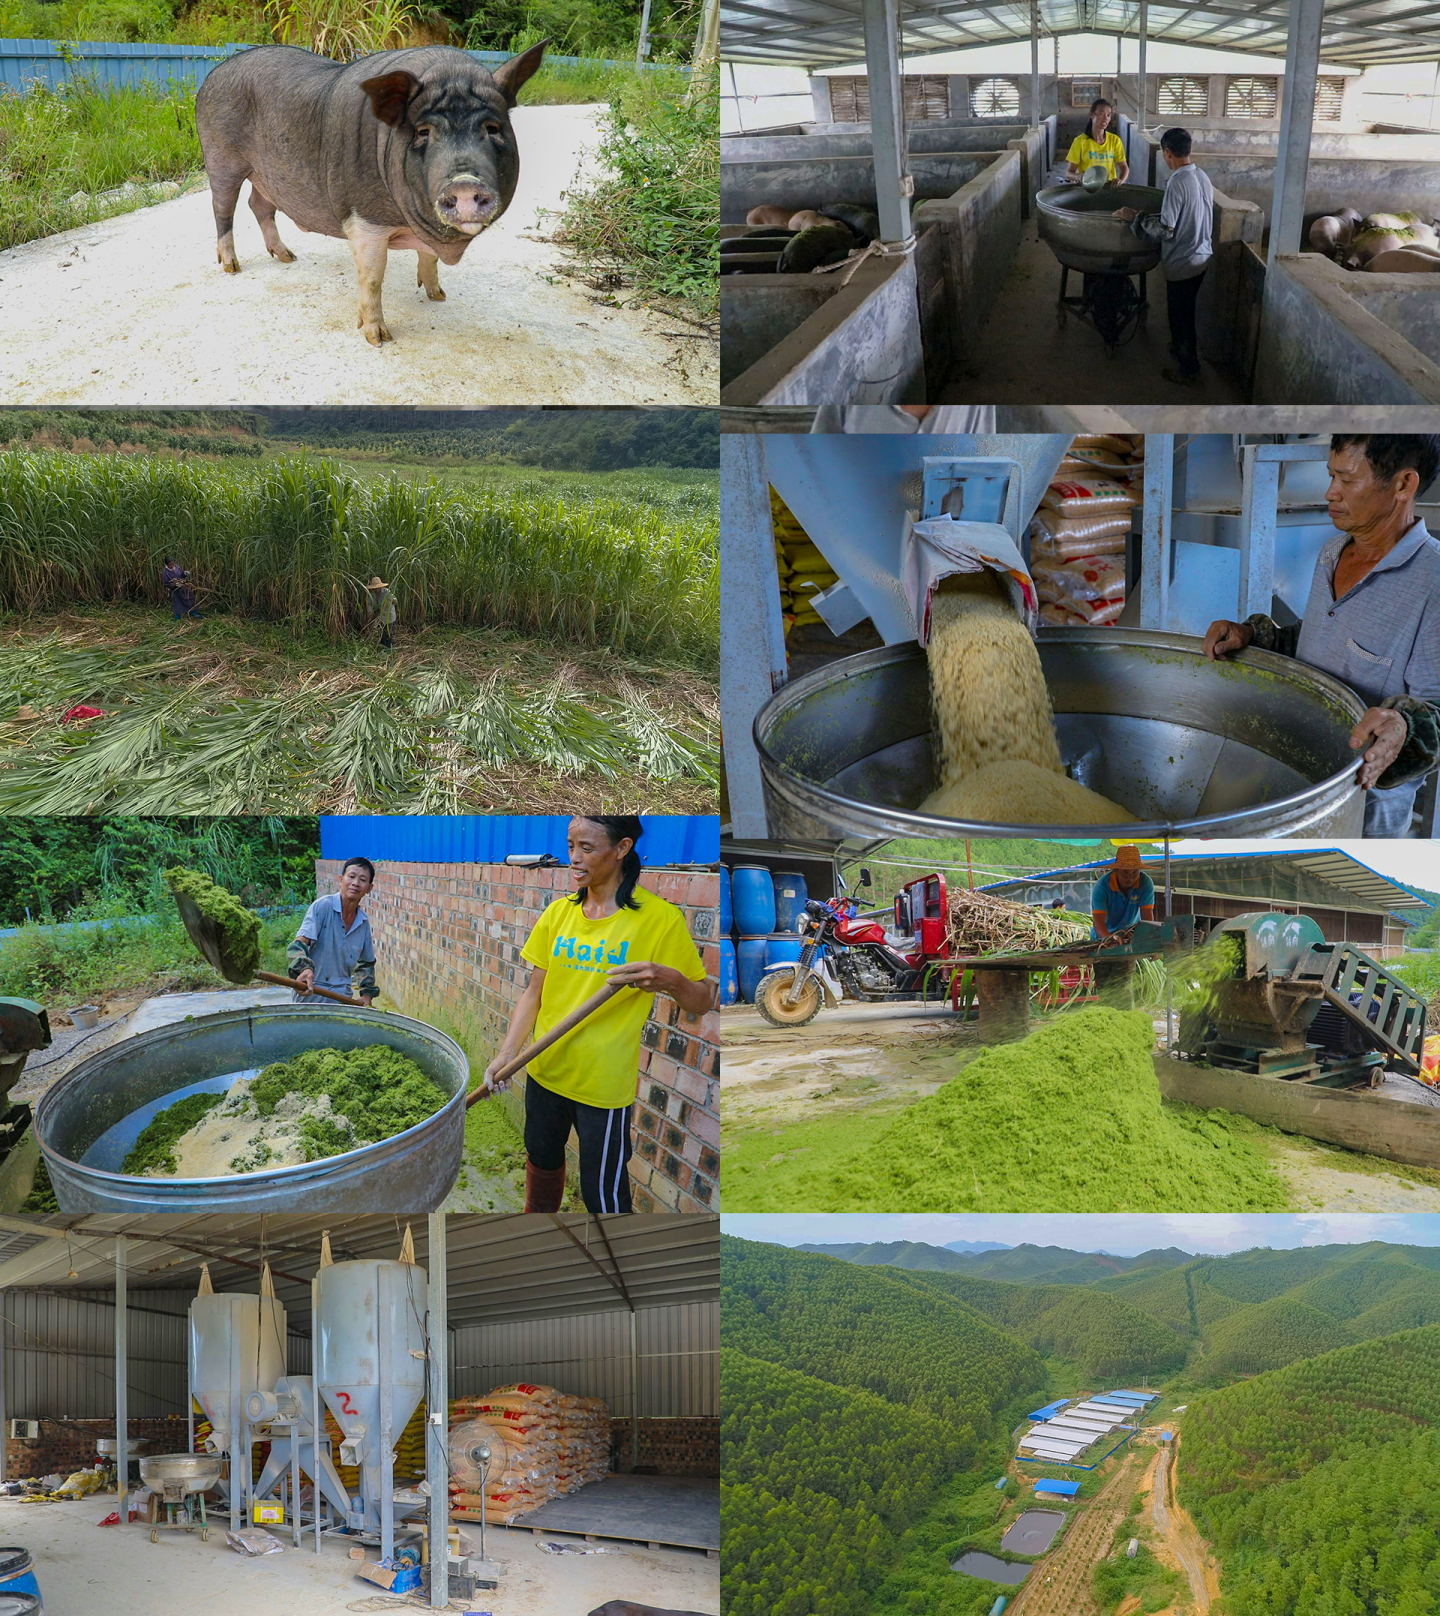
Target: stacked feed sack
804	572
1079	534
543	1442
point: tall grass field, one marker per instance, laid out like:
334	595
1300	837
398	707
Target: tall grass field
297	539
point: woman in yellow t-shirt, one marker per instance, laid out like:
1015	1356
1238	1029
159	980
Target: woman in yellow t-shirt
609	930
1098	147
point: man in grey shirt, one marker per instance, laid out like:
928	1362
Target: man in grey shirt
1183	227
333	948
1373	616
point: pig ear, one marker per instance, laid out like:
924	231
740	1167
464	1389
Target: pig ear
390	94
511	75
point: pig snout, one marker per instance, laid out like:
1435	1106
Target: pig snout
467	203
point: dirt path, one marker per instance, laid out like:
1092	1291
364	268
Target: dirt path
1060	1584
135	310
1179	1535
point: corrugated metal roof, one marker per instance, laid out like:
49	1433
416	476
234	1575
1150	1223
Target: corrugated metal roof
1322	876
489	838
822	33
501	1268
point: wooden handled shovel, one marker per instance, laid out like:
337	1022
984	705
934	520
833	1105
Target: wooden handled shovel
290	982
206	935
557	1032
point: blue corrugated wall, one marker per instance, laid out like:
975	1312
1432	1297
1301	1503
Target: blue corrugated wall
26	62
486	838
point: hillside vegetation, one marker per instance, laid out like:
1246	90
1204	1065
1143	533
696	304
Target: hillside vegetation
1319	1484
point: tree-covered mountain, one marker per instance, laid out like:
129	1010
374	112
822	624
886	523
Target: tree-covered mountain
1023	1264
1319	1484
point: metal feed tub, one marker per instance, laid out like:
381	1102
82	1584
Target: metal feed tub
174	1475
411	1172
1257	745
1081	229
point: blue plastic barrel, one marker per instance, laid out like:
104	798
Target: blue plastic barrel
729	976
790	896
781	947
750	964
753	892
17	1575
727	914
999	1605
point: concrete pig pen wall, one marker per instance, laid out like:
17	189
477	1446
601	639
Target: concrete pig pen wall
853	140
448	940
1325	338
810	182
1372	184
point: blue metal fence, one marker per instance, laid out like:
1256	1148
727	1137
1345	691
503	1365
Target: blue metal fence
487	838
27	62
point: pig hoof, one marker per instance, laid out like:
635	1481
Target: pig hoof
229	263
437	295
284	255
375	332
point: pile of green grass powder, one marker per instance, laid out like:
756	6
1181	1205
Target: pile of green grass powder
238	929
1068	1119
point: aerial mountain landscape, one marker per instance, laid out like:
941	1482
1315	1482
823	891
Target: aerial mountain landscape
1281	1458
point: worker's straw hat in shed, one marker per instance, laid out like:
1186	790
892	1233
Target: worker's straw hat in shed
1127	858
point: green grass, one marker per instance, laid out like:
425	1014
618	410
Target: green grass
296	539
653	221
55	143
128	954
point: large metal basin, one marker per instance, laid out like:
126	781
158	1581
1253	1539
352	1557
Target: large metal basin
1081	229
410	1172
175	1474
1257	745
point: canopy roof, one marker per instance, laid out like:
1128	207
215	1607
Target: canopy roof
502	1268
828	33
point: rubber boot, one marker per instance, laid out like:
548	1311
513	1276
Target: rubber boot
544	1187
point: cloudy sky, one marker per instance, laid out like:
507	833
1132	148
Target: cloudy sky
1121	1234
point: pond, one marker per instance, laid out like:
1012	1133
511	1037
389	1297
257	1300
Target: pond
989	1569
1033	1532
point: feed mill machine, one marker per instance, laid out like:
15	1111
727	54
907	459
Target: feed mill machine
1287	1004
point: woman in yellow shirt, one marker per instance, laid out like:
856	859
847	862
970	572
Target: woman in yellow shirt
609	930
1098	147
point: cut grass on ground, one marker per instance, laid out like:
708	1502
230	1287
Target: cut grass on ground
233	715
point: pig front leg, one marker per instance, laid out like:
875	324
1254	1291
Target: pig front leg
264	210
427	274
369	244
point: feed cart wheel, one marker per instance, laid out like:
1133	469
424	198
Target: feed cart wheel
154	1534
204	1534
770	1000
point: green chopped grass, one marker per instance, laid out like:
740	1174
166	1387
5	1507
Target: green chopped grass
154	1149
378	1091
238	931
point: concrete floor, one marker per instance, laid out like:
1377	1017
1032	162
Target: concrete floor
82	1567
1024	356
135	310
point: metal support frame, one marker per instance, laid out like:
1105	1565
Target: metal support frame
634	1390
4	1430
642	45
1261	466
1142	80
887	112
1297	118
1155	530
752	638
1035	65
437	1423
122	1408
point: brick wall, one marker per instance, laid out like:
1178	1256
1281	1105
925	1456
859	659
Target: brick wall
670	1447
69	1445
447	944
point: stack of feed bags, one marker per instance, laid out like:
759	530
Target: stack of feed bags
543	1442
1079	534
804	572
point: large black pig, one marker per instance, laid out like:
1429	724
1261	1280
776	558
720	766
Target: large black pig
405	149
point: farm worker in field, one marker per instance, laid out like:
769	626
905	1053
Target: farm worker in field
608	930
1123	895
1098	147
333	948
1184	228
1373	616
182	597
382	608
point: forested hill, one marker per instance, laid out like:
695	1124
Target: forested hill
870	1331
1102	1335
1319	1484
1025	1264
849	1398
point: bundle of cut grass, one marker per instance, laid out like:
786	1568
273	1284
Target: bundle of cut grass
981	923
236	930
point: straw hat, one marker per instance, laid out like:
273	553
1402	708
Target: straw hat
1127	858
377	583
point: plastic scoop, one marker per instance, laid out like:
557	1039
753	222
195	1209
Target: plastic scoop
557	1032
1094	178
206	935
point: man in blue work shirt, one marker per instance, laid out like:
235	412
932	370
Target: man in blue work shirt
1123	895
1373	616
333	948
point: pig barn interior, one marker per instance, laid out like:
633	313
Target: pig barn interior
311	1403
962	296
